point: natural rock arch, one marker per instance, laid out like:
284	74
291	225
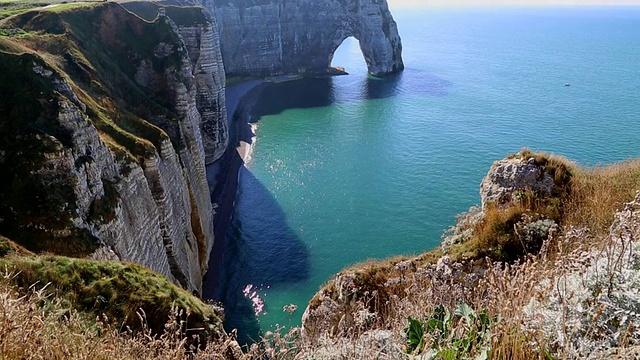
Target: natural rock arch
344	45
264	38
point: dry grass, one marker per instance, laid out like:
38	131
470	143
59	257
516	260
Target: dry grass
37	326
497	237
599	192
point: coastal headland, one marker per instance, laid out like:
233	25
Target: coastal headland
124	129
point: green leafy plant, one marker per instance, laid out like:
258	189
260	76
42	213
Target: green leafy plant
463	334
415	335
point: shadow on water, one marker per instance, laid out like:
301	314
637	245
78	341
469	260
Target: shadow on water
261	252
418	82
382	88
323	91
297	94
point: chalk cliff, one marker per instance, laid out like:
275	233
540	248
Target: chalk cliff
273	37
203	45
199	33
103	152
104	148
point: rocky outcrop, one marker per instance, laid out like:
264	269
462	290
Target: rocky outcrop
126	183
265	38
511	174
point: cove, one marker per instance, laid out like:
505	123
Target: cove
352	168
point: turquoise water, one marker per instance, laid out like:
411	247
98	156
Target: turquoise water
352	168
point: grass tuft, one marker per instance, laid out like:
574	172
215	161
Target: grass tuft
10	247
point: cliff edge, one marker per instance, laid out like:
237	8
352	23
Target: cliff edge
546	268
108	121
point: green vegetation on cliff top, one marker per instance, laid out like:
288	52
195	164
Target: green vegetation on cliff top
99	296
104	50
12	7
118	290
181	15
9	247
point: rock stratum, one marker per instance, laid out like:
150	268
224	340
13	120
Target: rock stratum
281	37
107	123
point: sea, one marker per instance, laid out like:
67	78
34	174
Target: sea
352	168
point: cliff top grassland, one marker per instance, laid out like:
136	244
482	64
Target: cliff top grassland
180	15
115	289
61	307
10	8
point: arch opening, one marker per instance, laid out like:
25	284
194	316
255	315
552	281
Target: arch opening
348	58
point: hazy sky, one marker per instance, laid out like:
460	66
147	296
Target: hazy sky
423	3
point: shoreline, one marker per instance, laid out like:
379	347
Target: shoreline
240	101
223	174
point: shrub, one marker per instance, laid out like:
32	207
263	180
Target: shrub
461	335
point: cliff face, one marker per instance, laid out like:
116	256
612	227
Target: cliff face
265	38
202	41
105	150
203	45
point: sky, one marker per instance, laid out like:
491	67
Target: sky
475	3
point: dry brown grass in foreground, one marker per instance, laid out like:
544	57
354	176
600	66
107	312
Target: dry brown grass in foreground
37	326
598	192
